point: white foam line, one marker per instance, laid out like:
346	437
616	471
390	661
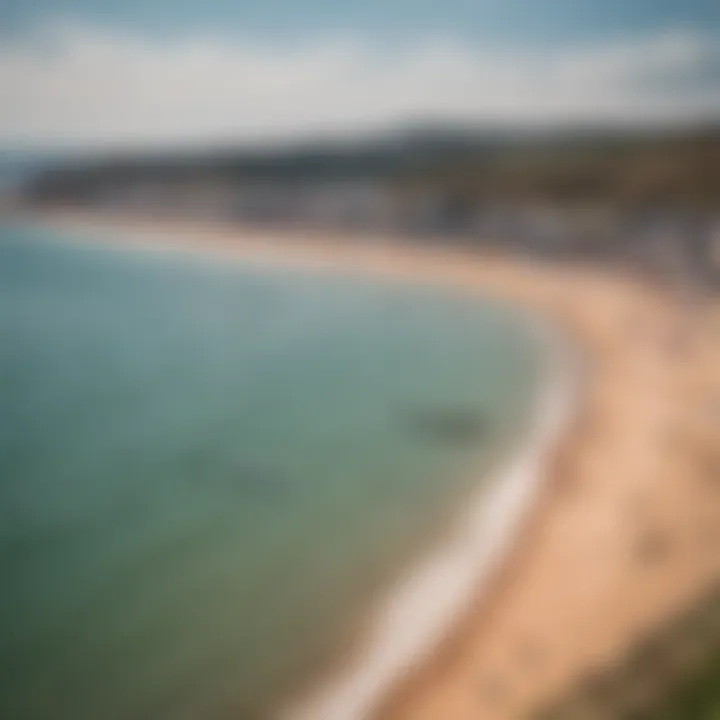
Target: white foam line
414	619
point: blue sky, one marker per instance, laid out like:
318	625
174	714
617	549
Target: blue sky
158	72
495	21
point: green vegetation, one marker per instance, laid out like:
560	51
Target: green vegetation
698	698
673	675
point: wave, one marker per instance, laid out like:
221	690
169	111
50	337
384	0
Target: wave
414	619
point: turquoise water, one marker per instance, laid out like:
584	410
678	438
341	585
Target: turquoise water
209	473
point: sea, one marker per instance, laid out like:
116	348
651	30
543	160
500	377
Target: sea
213	473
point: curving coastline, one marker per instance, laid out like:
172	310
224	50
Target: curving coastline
438	589
573	593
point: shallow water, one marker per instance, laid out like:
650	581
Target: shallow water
209	473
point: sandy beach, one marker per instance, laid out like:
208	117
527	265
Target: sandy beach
626	531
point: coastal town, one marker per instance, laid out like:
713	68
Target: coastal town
648	206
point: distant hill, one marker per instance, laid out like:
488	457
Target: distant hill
621	166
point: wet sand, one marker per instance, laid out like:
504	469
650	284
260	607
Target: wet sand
626	532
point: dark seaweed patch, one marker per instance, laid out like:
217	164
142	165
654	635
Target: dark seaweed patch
258	480
447	425
246	481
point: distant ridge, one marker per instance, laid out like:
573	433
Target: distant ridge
678	162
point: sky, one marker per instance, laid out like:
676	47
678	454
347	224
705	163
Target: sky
146	73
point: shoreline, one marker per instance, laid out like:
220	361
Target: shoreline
559	557
411	621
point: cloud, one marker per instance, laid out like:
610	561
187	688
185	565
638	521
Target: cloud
86	85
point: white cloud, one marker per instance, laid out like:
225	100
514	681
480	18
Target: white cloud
88	85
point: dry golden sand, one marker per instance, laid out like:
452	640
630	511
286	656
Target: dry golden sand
627	530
